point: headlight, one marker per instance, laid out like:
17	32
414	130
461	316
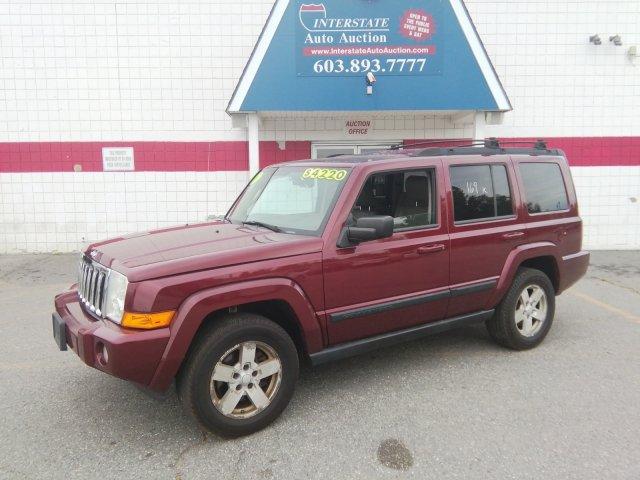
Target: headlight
114	297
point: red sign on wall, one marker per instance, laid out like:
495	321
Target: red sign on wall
417	25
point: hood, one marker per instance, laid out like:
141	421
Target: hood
196	247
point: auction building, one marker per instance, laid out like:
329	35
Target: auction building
119	116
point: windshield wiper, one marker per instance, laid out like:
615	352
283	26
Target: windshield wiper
264	225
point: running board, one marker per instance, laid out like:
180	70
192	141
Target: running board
358	347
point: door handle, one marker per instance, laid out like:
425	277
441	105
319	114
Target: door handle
439	247
509	236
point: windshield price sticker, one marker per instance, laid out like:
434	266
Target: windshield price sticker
325	174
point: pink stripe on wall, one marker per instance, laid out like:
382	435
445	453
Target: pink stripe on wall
595	151
148	156
270	152
233	156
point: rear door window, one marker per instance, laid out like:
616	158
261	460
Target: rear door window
480	192
544	189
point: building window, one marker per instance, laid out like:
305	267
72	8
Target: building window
407	196
544	189
480	192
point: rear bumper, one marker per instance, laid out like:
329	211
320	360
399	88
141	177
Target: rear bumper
573	268
131	354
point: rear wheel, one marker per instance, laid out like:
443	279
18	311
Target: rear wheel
240	375
525	315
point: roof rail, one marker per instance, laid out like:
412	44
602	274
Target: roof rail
402	145
538	144
492	146
491	142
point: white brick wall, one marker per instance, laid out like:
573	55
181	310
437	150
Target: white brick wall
609	202
64	211
107	70
560	84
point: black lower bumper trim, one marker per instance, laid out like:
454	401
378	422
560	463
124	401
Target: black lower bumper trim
59	331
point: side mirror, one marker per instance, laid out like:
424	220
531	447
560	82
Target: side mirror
366	229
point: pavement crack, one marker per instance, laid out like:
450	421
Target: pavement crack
203	439
616	284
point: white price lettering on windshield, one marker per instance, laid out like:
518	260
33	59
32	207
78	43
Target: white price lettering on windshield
324	174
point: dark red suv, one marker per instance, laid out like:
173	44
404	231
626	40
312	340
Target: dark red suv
324	259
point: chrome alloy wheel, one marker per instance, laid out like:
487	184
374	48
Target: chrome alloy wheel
531	310
245	380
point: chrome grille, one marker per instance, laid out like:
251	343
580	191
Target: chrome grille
92	283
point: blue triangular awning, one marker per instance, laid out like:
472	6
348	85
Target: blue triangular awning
425	55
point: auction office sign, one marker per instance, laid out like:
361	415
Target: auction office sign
355	37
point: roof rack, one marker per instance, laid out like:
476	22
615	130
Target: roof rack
402	145
487	147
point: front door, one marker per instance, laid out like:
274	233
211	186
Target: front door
397	282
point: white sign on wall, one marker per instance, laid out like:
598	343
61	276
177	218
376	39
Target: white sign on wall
117	159
358	127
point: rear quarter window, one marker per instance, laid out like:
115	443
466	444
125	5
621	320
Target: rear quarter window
544	189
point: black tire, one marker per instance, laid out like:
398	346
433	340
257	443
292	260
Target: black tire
503	327
193	381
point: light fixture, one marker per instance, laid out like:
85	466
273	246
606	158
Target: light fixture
595	39
371	80
616	40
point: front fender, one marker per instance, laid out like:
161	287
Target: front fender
196	307
513	262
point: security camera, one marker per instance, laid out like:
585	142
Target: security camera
371	78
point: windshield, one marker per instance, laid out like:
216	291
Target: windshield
290	199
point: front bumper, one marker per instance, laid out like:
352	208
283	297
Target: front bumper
131	354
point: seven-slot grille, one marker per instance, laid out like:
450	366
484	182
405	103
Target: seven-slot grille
92	285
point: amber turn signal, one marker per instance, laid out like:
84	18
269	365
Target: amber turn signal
147	321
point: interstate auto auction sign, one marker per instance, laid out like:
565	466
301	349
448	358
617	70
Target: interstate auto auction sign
345	38
316	56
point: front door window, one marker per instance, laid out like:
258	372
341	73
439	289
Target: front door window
408	196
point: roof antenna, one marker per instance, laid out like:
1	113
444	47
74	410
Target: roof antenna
491	143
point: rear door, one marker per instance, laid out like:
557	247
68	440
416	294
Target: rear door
392	283
485	225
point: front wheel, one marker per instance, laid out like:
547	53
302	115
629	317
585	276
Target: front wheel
240	375
525	315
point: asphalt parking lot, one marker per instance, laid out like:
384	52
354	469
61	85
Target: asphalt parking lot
450	406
